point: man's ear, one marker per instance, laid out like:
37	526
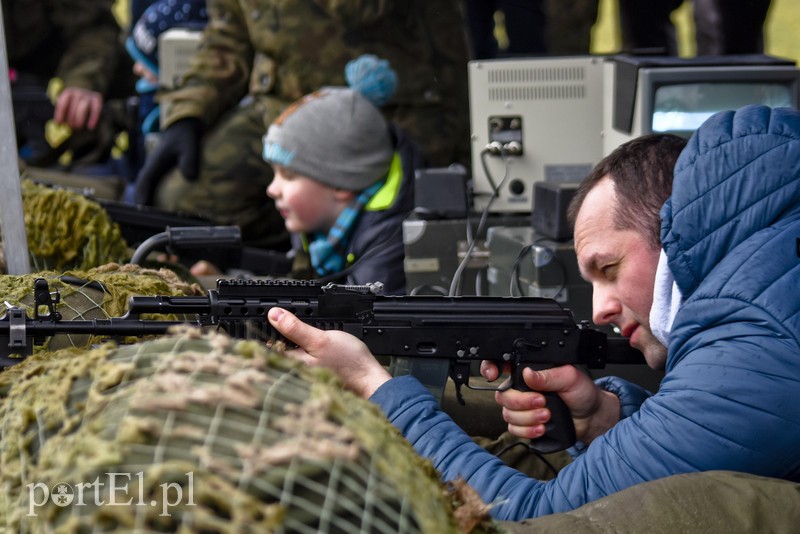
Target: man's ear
343	195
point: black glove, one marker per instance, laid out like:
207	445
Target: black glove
179	144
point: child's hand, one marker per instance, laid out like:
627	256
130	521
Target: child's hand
204	268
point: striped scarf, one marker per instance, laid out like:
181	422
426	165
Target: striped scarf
328	252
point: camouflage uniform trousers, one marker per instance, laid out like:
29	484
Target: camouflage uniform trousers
231	186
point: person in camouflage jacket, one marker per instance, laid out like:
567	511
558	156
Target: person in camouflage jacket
77	41
258	56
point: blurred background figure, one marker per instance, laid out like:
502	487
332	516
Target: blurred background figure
142	45
503	28
569	25
136	8
722	27
647	26
257	57
523	22
76	45
730	26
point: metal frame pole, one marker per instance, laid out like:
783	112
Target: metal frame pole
12	219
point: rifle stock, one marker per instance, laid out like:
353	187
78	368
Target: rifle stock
520	331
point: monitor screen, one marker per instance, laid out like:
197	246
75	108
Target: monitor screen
683	107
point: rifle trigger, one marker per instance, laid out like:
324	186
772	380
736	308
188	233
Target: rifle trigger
459	373
522	345
459	395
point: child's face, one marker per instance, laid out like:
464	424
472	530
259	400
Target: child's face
305	204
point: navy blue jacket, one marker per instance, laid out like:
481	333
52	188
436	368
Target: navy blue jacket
731	231
377	244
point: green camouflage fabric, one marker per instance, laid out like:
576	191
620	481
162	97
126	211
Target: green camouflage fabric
99	293
275	52
202	433
75	40
66	230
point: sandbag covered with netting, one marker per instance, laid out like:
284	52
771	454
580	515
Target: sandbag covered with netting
205	433
99	293
66	230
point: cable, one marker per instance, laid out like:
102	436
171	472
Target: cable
515	282
433	287
148	245
515	271
455	285
510	446
479	280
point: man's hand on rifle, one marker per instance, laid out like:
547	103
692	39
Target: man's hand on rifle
593	409
344	354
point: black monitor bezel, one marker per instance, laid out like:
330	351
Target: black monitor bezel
653	79
635	75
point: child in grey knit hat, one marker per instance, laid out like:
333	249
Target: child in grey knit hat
340	184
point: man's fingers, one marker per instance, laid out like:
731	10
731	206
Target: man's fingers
531	432
284	323
491	371
554	379
78	108
292	328
95	109
533	417
63	104
78	112
300	355
520	400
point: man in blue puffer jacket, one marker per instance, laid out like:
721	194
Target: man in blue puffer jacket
725	296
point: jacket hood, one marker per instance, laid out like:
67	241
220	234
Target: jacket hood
720	197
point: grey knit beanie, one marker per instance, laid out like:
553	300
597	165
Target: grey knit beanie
337	135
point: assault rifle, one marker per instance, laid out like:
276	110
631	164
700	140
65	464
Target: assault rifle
521	331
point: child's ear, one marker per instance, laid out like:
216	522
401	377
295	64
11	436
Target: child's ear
344	195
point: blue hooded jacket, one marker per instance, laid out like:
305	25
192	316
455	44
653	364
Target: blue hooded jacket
731	232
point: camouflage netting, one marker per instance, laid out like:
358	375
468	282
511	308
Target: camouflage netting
207	434
98	293
66	230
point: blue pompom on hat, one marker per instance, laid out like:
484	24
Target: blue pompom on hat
338	136
372	77
160	16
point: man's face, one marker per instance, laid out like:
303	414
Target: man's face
621	266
